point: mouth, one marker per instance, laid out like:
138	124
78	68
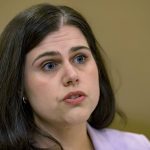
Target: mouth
74	98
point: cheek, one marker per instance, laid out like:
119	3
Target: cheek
37	82
39	88
93	76
41	94
92	82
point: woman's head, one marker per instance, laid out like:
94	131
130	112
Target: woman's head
22	36
61	79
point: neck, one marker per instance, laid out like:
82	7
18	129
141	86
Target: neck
70	137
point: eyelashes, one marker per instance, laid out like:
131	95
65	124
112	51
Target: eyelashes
52	65
49	66
80	59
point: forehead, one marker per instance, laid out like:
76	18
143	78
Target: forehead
65	33
60	41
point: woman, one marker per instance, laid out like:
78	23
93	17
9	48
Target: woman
54	89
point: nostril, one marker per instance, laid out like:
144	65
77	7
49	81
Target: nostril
77	80
72	82
69	82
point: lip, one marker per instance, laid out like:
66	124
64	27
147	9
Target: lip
76	100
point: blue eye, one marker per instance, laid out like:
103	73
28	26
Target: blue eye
80	59
50	66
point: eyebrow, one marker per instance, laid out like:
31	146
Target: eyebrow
56	53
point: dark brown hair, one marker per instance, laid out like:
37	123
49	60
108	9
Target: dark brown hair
22	34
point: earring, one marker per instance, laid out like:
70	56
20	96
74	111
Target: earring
24	100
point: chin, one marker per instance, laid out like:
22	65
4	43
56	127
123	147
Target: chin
77	119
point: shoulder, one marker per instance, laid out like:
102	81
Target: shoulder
112	139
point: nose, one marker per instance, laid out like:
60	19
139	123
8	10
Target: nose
70	76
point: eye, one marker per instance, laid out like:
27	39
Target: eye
50	66
80	59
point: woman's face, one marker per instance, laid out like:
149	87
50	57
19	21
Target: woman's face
61	78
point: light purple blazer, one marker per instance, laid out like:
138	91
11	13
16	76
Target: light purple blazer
111	139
